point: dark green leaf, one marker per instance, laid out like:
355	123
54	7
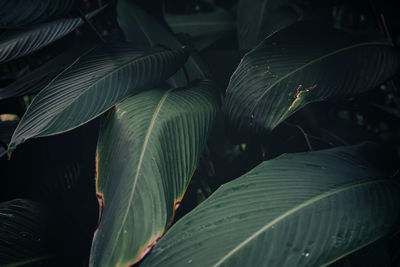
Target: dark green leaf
17	43
36	80
97	81
148	150
21	13
23	233
141	29
305	209
198	25
304	63
258	19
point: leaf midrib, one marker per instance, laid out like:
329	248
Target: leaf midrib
310	63
141	157
290	212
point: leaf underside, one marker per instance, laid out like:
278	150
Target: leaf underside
305	209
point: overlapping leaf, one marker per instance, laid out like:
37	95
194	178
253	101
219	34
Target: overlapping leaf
20	13
18	43
217	22
148	150
96	82
305	209
258	19
36	80
304	63
141	29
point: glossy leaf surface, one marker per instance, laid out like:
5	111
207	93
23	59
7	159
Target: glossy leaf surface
148	150
97	81
300	64
304	209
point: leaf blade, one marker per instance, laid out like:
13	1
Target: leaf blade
37	79
297	66
97	81
17	43
141	29
151	132
304	209
32	12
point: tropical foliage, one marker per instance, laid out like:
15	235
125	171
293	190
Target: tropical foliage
199	133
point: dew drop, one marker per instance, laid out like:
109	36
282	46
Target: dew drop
306	253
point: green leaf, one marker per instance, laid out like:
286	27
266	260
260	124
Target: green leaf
148	150
305	209
258	19
21	13
142	30
303	63
17	43
96	82
37	79
198	25
24	233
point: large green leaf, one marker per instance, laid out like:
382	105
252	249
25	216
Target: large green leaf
305	209
141	29
304	63
258	19
20	13
148	150
97	81
21	42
